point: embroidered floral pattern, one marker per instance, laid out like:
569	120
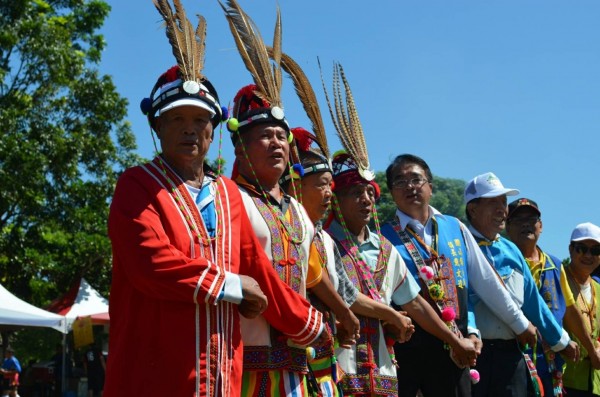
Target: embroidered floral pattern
285	263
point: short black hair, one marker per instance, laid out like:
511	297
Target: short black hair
406	159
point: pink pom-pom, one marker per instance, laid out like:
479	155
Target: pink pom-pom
448	314
474	376
426	273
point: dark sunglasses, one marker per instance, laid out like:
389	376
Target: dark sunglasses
583	249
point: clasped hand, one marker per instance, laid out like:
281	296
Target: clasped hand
254	302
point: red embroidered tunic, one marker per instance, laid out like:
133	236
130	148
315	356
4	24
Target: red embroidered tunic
169	333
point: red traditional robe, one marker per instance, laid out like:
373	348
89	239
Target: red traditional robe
169	334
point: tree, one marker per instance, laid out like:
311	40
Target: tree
447	198
64	142
217	165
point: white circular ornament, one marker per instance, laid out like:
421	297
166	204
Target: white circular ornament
277	113
191	87
366	174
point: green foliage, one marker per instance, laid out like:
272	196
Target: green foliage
447	198
35	343
64	142
386	206
218	165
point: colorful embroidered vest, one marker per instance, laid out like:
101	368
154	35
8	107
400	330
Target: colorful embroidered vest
368	380
289	255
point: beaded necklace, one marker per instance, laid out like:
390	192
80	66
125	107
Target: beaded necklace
590	308
349	245
294	236
185	205
359	272
286	260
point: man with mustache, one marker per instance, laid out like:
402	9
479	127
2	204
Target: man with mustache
262	145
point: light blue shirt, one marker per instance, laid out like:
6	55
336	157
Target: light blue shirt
369	252
205	201
508	261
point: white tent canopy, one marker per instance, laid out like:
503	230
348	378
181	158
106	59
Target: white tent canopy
81	301
14	311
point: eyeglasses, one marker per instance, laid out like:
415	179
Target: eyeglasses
530	220
583	249
414	182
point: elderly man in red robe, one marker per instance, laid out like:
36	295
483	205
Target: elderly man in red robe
186	263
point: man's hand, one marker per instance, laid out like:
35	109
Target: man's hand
528	337
400	328
464	353
254	302
571	352
345	338
350	324
477	343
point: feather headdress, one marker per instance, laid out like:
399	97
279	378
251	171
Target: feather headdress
188	44
302	137
266	76
183	84
347	124
260	102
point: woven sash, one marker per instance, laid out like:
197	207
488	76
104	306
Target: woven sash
365	275
420	263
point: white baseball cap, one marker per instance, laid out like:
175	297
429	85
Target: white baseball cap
586	231
485	186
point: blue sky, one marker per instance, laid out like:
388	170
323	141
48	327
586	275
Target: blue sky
511	87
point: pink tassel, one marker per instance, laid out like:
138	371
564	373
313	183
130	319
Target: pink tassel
448	314
426	273
474	376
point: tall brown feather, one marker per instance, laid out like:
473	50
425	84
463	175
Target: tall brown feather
357	138
277	52
188	45
307	96
345	117
253	51
200	38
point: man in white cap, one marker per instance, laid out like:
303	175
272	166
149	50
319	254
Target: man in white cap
580	378
501	365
